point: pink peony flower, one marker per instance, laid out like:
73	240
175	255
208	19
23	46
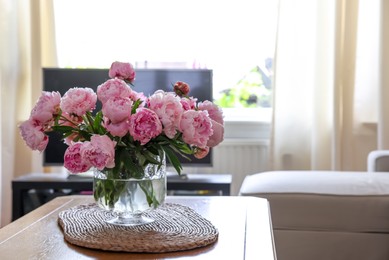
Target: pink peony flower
217	136
127	120
99	152
169	110
70	139
70	119
118	129
188	103
181	88
78	101
33	135
196	128
122	70
214	111
200	153
117	109
134	96
113	88
73	160
46	107
145	125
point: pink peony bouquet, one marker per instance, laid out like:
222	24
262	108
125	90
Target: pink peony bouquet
128	125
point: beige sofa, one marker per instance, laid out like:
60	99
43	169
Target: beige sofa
327	214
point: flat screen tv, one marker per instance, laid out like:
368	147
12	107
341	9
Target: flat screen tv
146	81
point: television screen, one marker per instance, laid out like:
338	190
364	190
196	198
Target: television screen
146	81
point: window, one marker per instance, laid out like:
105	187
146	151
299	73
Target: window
233	38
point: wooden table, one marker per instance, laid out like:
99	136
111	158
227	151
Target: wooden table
244	226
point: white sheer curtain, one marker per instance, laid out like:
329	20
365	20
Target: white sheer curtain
27	44
10	64
328	79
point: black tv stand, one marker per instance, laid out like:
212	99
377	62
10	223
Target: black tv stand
214	184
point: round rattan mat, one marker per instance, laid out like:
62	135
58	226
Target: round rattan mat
176	228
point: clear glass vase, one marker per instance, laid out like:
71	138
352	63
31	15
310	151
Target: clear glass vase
128	196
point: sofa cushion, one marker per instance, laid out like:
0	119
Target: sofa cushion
324	200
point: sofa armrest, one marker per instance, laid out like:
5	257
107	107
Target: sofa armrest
378	161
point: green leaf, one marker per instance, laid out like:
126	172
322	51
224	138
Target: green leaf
67	134
172	158
153	149
178	151
183	148
85	134
63	128
135	106
148	189
135	169
97	123
57	118
150	157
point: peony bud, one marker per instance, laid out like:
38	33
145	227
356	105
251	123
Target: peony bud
181	88
200	153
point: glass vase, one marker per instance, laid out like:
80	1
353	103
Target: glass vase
128	196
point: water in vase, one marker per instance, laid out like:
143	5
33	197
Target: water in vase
130	195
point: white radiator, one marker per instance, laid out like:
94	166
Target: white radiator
238	157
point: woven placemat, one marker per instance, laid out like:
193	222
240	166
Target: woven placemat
176	228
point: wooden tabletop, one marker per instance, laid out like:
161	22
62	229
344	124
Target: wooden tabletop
244	226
